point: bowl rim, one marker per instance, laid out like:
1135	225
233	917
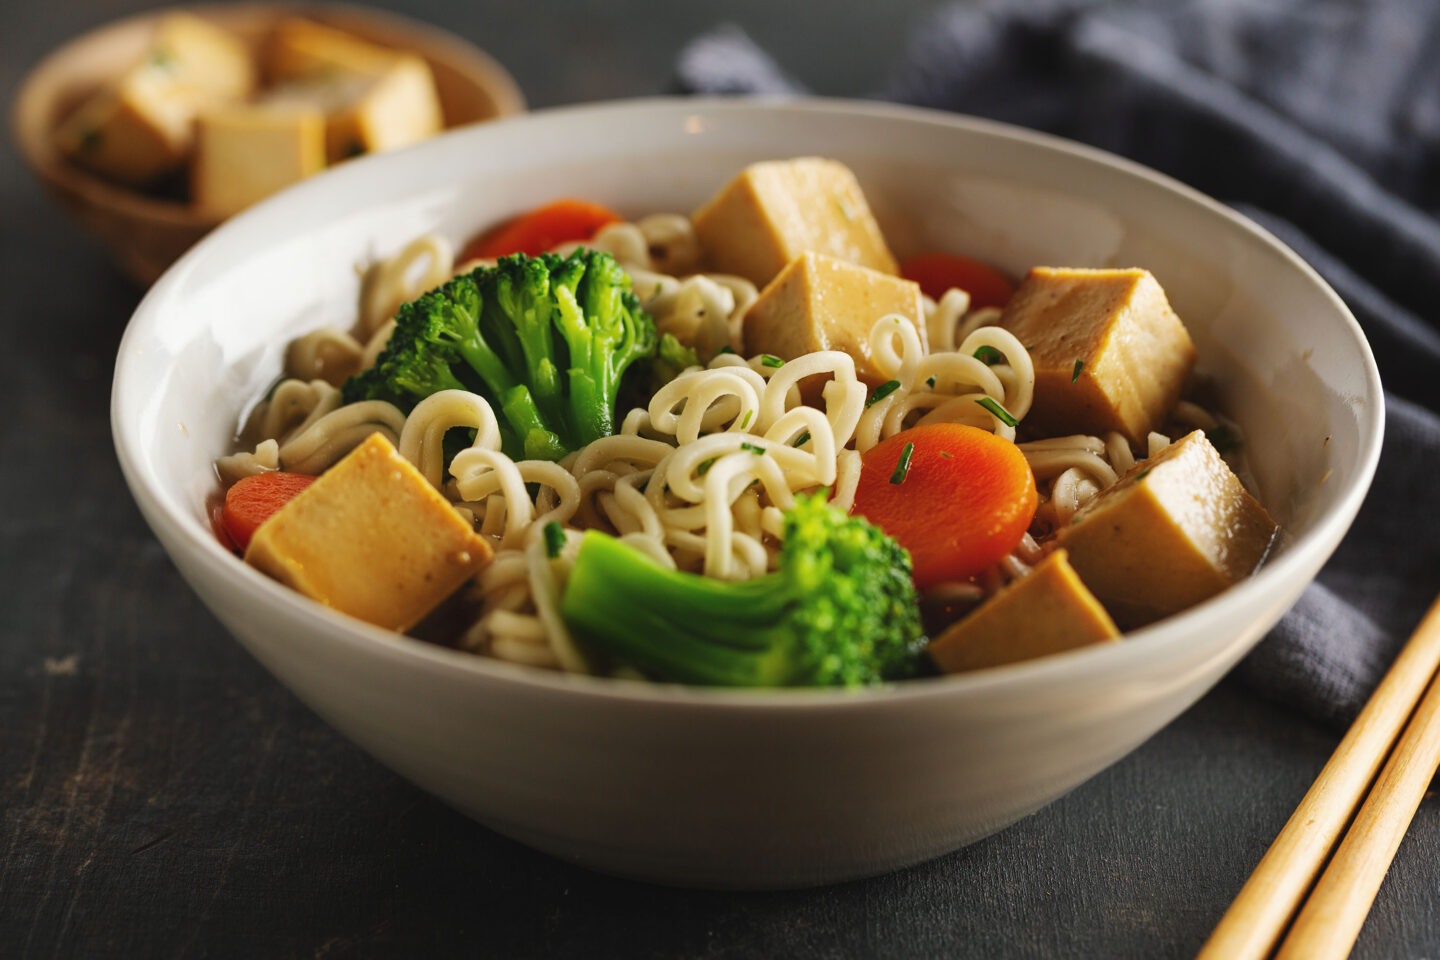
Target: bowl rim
1158	641
37	149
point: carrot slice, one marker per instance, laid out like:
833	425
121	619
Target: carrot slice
957	497
253	500
543	228
938	272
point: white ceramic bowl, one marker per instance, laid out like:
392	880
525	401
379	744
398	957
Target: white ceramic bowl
748	788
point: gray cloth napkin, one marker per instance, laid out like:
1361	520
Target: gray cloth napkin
1320	120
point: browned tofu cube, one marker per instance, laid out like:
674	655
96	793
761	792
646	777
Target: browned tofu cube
214	63
820	303
374	98
1176	530
1133	351
133	133
244	153
1048	611
773	212
371	538
304	49
139	128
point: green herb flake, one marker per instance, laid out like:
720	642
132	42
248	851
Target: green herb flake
554	539
947	454
725	349
803	439
1142	474
1223	438
770	360
989	355
704	467
161	60
883	391
758	451
745	420
930	383
1079	365
1000	412
902	467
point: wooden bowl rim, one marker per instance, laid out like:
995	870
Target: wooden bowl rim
32	127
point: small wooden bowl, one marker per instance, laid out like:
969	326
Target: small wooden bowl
147	233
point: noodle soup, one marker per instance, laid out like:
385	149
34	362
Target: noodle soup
744	447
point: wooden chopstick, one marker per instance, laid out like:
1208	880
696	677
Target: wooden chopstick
1253	924
1335	910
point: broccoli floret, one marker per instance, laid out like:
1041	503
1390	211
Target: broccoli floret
545	340
671	359
841	610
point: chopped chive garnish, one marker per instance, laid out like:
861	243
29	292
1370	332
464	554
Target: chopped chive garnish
803	439
725	349
1142	474
947	454
554	539
745	420
1079	365
704	468
1223	439
1000	412
883	391
902	468
930	383
770	360
988	355
758	451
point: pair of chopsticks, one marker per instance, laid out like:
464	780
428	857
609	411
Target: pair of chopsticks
1331	917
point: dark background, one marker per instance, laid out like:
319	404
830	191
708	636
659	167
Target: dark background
160	795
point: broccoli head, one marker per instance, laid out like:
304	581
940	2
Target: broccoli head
841	610
546	340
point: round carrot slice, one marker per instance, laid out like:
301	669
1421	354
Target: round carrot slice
957	497
253	500
542	229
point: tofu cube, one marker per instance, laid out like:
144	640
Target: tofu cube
213	63
1133	351
301	49
820	303
133	133
371	538
374	98
140	128
773	212
1176	530
1048	611
245	153
398	108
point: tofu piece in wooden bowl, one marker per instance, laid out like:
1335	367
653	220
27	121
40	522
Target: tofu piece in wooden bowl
152	130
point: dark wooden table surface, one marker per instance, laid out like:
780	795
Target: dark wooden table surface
161	795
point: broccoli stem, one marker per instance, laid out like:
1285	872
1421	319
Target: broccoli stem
524	295
537	440
681	626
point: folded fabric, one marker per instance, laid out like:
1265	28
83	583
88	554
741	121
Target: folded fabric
1321	122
